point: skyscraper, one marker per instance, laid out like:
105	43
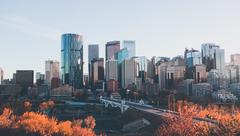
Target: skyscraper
97	70
93	53
192	58
131	47
51	70
128	72
72	60
111	70
213	57
122	55
111	49
235	59
1	75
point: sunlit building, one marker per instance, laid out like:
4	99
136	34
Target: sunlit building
131	47
111	70
72	60
235	59
111	49
128	73
51	70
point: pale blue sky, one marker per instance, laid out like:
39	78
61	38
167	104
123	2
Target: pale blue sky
30	30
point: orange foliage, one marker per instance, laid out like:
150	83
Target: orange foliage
7	118
40	124
227	123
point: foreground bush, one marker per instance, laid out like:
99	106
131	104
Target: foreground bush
227	121
34	123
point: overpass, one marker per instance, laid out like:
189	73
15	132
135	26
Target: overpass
124	105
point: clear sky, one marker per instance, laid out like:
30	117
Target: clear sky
30	30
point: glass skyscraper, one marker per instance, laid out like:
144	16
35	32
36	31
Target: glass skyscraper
213	57
121	55
111	49
72	60
131	47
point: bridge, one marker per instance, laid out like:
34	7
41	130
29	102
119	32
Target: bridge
125	105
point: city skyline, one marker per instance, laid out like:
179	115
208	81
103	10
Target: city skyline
38	38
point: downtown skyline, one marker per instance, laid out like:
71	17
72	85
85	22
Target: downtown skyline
38	38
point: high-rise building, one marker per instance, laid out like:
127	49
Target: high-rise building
111	70
72	60
40	78
1	75
24	78
128	72
97	70
111	49
131	47
93	53
192	58
122	55
213	57
235	59
51	70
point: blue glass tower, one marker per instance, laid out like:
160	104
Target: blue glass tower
72	60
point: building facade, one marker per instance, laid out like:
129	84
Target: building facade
93	53
213	57
51	70
111	49
97	70
131	47
111	70
72	60
24	78
128	73
235	59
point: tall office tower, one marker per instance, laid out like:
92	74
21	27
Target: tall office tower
213	57
192	58
1	75
93	53
128	73
122	55
142	67
131	47
235	59
24	78
97	70
111	70
72	60
111	49
51	70
40	78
